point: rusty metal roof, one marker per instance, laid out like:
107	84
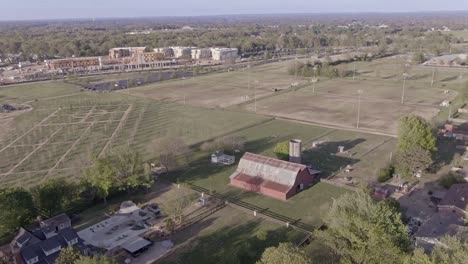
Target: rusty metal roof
269	169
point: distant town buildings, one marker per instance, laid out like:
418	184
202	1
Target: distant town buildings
221	54
201	54
117	53
74	63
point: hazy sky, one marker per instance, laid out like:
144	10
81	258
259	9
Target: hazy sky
47	9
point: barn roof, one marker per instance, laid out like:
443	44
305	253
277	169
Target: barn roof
274	170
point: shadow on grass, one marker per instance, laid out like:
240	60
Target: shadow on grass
447	152
238	244
326	159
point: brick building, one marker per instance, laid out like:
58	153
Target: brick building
74	63
272	177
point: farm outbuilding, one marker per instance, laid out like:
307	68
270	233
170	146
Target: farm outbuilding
271	177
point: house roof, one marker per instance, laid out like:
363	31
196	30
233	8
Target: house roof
135	244
56	220
67	234
456	196
50	243
270	169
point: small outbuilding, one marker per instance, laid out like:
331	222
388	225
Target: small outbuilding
220	158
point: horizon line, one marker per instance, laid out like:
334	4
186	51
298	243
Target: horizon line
235	14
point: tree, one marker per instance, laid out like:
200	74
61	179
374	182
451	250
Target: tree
416	144
413	161
95	260
450	179
54	196
282	150
415	131
362	230
173	152
68	255
284	253
101	177
16	209
130	170
419	57
450	250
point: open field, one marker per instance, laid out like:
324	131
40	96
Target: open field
365	153
60	135
223	89
336	102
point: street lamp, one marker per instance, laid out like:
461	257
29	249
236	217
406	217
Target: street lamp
314	81
359	108
255	96
354	71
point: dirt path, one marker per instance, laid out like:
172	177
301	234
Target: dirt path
68	151
55	97
122	121
34	151
31	129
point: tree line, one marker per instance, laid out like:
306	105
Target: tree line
120	172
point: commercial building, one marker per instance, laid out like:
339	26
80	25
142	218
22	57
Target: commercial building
222	54
74	63
147	57
201	54
168	52
272	177
182	52
117	53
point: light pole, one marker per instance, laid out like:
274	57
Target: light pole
354	71
403	90
359	108
255	96
314	81
183	86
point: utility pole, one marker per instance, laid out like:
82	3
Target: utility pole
314	81
354	71
404	86
359	108
255	96
433	75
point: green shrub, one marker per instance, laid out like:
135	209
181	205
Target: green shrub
282	150
385	174
450	179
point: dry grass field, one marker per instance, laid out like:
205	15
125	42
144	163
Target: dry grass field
222	89
336	102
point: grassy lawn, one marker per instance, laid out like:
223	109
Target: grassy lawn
228	236
39	90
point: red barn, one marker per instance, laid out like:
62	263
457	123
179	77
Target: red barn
271	177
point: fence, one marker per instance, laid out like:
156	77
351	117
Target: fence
339	184
256	211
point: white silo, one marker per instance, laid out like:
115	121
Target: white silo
295	147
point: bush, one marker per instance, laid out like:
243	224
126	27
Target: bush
448	180
385	174
282	150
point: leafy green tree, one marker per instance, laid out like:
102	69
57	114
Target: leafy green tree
414	131
419	57
130	170
16	209
101	177
448	180
54	196
95	260
451	250
68	255
284	253
282	150
362	230
414	160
